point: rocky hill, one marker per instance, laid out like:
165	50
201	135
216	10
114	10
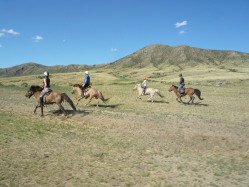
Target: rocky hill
157	55
163	55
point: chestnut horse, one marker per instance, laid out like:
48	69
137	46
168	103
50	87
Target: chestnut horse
187	91
53	97
89	92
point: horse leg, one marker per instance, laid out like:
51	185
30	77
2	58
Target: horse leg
179	99
62	108
190	99
36	108
193	99
91	97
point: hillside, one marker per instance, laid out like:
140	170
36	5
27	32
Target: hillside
164	55
159	56
34	68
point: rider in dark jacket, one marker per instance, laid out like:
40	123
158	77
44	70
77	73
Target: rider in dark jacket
86	82
182	84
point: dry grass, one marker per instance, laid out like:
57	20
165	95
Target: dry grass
128	143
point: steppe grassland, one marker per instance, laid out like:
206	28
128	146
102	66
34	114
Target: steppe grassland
128	142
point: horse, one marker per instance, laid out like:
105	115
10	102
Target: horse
148	91
187	91
89	93
50	98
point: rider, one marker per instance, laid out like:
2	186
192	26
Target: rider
182	84
86	82
45	87
145	85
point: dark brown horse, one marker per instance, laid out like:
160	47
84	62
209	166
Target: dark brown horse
53	97
187	91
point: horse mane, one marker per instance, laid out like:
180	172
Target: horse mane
77	85
35	88
175	86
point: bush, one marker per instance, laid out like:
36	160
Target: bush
233	70
24	84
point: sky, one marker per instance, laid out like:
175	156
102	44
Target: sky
63	32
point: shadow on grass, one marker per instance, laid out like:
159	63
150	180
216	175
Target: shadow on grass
160	102
195	104
107	106
71	112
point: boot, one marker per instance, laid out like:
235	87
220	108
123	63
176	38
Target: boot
41	105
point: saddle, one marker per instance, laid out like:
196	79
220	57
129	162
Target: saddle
46	95
182	91
84	90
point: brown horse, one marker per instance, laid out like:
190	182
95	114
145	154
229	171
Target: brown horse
53	97
188	91
89	92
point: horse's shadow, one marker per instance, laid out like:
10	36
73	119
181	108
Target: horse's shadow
71	112
108	106
158	101
195	104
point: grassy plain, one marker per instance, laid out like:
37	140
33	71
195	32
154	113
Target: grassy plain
128	142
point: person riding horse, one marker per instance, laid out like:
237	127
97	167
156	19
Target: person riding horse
145	85
182	85
86	82
46	87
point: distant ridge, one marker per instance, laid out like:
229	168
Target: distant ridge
34	68
158	55
163	55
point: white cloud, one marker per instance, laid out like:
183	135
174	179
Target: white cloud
114	49
181	24
2	34
11	31
38	38
182	32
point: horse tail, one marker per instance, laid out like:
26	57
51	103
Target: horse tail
198	93
65	96
101	96
158	92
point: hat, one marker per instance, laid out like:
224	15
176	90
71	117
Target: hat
86	72
46	73
145	78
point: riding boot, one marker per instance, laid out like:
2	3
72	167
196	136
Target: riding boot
83	93
41	105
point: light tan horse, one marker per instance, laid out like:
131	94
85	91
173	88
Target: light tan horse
89	93
53	97
148	91
187	91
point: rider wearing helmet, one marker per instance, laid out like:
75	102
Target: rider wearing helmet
182	84
45	87
145	85
86	82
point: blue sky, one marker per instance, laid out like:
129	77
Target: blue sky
63	32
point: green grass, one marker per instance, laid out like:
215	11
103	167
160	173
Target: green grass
128	142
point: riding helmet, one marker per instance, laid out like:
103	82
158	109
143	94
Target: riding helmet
46	73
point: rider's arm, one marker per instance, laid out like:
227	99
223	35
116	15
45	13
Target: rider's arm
45	83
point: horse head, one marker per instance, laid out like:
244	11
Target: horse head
32	90
75	86
172	88
136	86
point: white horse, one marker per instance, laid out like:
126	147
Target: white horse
148	91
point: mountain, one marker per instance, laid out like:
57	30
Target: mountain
159	56
163	55
34	68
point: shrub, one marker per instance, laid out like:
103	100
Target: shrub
24	84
